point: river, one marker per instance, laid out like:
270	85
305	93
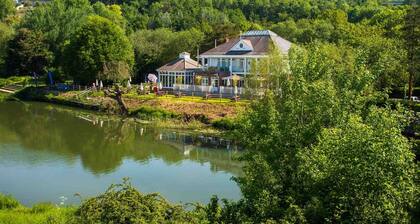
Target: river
49	153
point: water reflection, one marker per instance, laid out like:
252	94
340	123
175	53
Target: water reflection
103	144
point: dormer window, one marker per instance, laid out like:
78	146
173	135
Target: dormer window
243	45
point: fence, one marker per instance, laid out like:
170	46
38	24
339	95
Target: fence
209	89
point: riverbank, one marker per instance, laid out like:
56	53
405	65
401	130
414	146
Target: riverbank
191	113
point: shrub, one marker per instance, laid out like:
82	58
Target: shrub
122	203
8	202
42	207
225	123
149	113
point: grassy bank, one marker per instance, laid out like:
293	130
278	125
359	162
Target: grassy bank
12	212
193	113
121	203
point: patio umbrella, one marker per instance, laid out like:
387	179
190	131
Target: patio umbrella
129	84
101	85
160	85
141	87
152	77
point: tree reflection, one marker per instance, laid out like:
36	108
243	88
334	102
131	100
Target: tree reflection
103	145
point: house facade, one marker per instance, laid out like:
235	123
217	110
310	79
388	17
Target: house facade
218	66
236	56
179	71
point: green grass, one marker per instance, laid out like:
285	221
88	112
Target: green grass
23	215
195	99
15	80
12	212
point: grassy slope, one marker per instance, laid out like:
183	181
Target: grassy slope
23	215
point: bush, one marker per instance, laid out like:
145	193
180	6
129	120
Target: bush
149	113
8	202
43	207
122	203
225	124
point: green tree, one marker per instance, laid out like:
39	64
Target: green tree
6	33
28	53
326	86
111	12
7	7
362	171
153	48
412	43
58	20
98	42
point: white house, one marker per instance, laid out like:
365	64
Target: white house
236	56
231	59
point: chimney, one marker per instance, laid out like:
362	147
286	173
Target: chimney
185	55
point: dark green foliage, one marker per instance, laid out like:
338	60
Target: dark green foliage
154	48
8	202
6	34
149	113
122	203
28	53
225	124
97	42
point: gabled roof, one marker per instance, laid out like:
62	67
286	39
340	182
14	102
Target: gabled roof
260	40
180	64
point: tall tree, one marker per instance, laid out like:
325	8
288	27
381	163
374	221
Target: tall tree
58	20
28	53
98	43
412	42
6	33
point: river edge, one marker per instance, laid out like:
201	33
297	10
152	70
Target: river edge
158	117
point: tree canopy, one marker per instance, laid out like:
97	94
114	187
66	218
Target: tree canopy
7	7
96	43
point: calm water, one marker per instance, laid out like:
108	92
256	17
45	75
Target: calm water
49	152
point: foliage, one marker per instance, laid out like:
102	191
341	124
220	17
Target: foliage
15	80
98	42
8	202
58	20
149	113
28	53
362	171
7	7
6	33
327	87
225	124
122	203
153	48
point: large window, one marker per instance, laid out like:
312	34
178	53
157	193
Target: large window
238	65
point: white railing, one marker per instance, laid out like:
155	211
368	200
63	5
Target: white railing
208	89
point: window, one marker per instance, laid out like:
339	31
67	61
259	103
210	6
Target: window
241	45
205	82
